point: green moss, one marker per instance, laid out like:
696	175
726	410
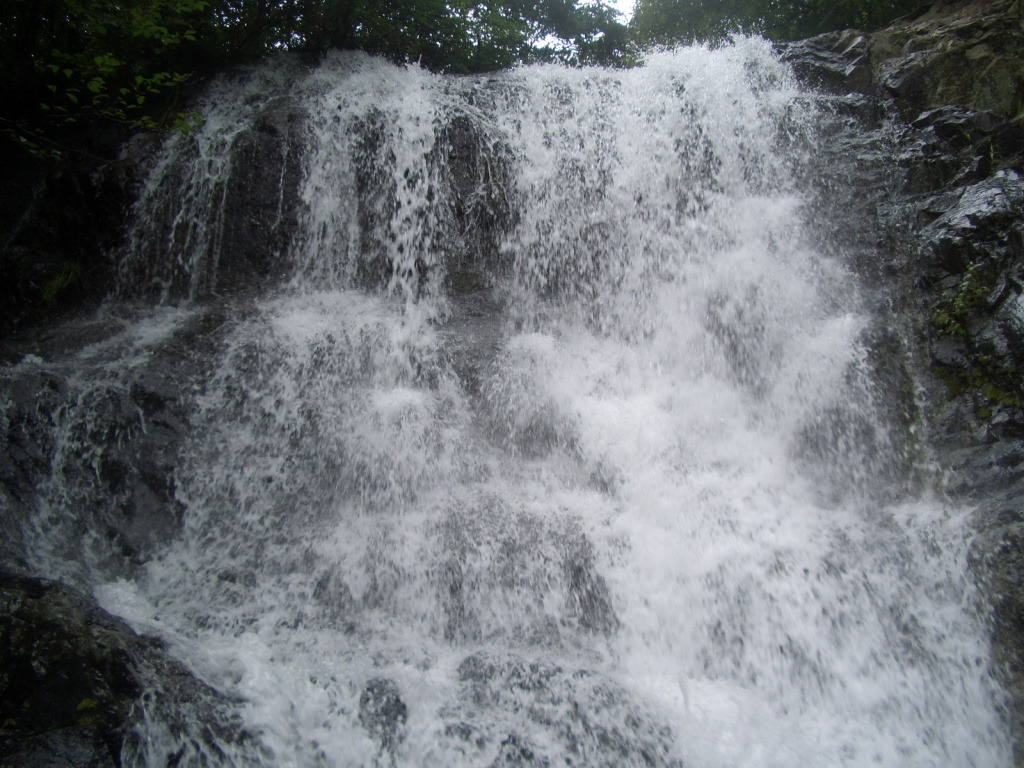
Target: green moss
87	712
952	314
68	275
991	384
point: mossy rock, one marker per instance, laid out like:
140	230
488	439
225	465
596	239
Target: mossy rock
68	679
966	54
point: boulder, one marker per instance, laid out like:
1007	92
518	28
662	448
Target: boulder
79	687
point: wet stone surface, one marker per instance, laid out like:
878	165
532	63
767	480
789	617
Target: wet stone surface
951	248
77	684
592	720
383	713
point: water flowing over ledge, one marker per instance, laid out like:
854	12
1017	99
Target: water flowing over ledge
543	425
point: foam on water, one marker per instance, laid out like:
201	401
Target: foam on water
642	518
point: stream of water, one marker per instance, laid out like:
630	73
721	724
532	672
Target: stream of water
559	441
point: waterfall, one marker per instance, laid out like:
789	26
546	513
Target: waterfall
538	421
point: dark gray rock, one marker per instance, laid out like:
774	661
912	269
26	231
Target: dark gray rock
383	713
953	53
570	715
516	751
479	171
101	455
75	683
836	62
262	200
985	224
233	235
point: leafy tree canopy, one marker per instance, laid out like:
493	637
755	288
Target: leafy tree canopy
67	62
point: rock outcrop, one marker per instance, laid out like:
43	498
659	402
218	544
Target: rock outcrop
940	97
79	688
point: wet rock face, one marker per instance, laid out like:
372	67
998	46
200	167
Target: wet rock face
574	716
480	181
965	54
471	204
261	200
102	456
944	90
68	680
78	687
837	62
231	232
951	241
383	713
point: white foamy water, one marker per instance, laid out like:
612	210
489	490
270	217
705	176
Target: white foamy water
637	510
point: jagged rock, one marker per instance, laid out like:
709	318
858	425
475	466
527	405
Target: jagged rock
950	81
962	54
75	682
836	62
984	224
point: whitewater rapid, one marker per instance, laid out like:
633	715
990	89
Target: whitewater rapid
559	441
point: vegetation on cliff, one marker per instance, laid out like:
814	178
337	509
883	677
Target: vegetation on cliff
674	21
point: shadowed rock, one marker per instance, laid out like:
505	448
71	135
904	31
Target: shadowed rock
383	713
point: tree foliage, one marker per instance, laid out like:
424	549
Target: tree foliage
666	22
68	62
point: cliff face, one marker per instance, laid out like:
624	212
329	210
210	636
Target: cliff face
964	54
941	95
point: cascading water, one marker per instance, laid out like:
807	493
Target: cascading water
559	440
